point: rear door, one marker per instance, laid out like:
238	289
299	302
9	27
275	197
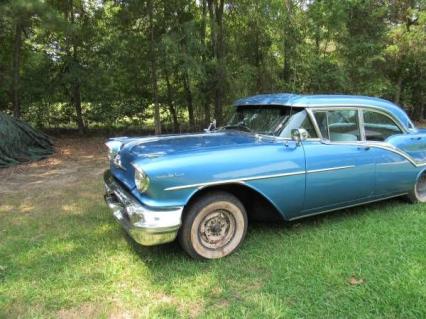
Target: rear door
395	174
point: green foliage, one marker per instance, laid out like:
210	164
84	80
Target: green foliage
108	59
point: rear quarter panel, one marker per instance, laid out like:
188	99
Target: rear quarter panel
413	144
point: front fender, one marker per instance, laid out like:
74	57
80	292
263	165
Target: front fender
275	171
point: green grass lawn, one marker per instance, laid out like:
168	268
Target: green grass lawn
62	255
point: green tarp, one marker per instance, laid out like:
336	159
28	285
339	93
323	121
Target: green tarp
19	142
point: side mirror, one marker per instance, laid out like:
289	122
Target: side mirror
299	135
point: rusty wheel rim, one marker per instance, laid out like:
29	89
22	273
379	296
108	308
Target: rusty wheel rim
217	229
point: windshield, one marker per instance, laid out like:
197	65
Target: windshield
270	120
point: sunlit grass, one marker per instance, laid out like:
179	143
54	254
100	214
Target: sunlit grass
62	255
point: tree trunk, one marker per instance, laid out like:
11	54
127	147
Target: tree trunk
188	95
75	93
206	104
287	45
76	101
170	102
221	71
258	61
16	65
397	97
154	70
216	18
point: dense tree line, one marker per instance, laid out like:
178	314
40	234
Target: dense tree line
177	64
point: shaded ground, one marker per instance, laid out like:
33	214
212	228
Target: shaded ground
75	161
63	256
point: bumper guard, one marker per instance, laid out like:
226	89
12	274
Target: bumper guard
146	226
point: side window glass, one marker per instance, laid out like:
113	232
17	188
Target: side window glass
321	118
309	127
297	120
343	126
339	125
378	127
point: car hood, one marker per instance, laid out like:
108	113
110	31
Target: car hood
149	152
159	146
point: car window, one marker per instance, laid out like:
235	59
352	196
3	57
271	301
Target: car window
378	127
339	125
321	118
299	119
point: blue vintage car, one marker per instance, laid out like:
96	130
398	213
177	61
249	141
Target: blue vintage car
281	156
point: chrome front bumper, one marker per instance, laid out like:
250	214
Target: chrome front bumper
146	226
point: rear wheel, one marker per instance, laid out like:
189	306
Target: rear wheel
418	194
214	226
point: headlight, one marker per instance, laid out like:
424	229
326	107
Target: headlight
113	148
141	180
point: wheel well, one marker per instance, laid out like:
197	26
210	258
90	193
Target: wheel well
257	206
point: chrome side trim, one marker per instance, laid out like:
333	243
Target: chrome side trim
236	180
384	145
329	169
246	179
348	206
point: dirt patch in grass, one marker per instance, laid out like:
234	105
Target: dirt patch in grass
75	160
87	310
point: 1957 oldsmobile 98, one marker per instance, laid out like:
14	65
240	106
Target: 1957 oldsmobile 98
281	155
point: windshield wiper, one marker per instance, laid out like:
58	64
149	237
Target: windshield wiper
238	126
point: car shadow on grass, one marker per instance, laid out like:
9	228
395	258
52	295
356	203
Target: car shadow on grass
330	217
173	249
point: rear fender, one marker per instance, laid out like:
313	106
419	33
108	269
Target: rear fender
412	144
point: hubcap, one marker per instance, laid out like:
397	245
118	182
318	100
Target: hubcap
421	187
217	229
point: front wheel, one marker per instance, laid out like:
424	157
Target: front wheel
214	226
418	194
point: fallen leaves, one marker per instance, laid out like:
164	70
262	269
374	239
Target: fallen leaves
356	281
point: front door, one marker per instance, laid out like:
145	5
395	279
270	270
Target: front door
340	169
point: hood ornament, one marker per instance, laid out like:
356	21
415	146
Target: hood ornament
117	161
211	127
